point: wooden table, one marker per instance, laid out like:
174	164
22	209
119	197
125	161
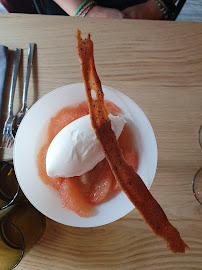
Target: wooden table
159	66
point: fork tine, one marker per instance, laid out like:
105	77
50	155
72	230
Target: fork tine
7	140
10	141
3	141
2	138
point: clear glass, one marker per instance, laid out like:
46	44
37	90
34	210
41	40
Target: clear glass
10	254
197	186
197	180
29	220
200	136
21	227
10	191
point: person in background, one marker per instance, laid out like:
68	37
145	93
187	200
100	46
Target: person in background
130	9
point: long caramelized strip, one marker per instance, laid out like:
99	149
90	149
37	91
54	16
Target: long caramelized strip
129	180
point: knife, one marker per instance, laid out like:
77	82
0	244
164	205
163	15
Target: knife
3	68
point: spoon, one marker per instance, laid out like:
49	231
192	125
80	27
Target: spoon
19	116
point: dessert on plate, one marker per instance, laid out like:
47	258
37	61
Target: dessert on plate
73	162
99	178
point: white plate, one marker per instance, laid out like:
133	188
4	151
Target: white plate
32	133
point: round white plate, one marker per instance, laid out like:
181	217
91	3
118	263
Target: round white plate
32	134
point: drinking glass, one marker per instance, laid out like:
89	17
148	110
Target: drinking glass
10	192
197	180
21	225
10	254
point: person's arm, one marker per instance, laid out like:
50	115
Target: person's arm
70	7
148	10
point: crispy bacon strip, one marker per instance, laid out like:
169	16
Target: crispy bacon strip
129	180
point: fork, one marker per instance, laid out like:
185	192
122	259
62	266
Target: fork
8	138
20	115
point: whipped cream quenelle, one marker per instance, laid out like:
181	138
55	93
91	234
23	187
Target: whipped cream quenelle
76	150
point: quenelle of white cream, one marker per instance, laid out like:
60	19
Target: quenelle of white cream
76	150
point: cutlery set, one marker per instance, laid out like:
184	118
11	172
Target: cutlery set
13	121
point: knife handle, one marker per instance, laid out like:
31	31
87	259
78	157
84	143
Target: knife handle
13	80
3	69
27	76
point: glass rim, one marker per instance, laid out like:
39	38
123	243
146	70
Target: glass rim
193	185
12	200
23	242
199	136
17	191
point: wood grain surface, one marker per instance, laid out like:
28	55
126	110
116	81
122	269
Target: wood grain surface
159	66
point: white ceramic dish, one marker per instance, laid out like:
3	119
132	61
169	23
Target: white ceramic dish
31	135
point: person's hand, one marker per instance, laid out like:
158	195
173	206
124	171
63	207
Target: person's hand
101	12
148	10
